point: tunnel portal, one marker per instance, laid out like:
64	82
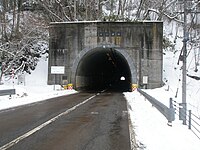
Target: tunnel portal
95	55
103	68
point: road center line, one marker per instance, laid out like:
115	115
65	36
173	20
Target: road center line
15	141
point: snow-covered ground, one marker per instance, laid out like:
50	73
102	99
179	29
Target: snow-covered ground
34	88
150	126
152	131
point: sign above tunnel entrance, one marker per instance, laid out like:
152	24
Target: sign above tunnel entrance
57	69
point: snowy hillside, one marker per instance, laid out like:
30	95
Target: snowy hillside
149	125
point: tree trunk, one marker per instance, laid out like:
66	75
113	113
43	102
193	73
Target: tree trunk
5	37
18	17
13	21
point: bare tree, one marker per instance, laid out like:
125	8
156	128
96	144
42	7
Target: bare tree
72	10
20	39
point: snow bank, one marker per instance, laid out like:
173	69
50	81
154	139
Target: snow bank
152	131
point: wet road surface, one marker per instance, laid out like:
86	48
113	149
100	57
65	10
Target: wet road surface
94	122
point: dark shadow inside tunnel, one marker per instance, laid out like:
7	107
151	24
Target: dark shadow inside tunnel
103	68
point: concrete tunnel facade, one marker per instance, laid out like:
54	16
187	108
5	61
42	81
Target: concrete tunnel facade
98	55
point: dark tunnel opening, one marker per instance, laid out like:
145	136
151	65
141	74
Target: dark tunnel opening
103	68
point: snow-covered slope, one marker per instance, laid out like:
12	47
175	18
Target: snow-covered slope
149	125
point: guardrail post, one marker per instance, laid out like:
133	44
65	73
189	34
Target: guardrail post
171	114
182	112
189	121
171	103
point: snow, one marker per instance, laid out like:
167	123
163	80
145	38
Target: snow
34	88
149	125
152	131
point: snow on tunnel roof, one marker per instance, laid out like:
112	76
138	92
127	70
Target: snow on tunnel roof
99	21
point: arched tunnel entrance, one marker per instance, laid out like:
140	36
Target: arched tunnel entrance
103	68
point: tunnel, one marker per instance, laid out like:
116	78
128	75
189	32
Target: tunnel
103	69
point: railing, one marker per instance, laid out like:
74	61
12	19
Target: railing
168	112
7	92
192	120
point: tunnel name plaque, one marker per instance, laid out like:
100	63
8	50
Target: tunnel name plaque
57	69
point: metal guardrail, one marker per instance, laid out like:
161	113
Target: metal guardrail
175	108
7	92
168	112
192	120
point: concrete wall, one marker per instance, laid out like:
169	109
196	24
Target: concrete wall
141	41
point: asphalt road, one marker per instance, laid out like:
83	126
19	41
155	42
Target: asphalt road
83	121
